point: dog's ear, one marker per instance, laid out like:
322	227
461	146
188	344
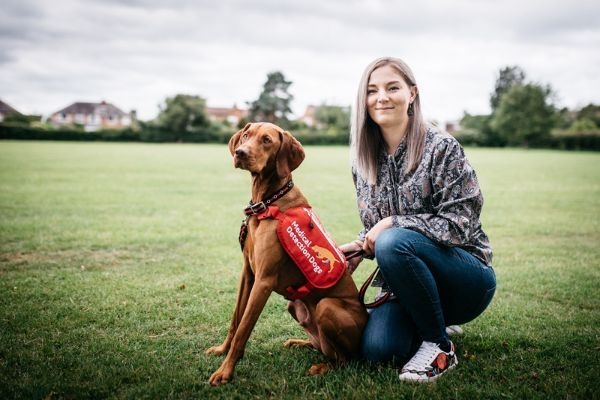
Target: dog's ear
235	139
290	155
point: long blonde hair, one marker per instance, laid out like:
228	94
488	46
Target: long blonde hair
365	137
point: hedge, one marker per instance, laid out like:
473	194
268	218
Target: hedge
560	140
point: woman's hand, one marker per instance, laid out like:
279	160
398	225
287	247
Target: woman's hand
373	234
352	247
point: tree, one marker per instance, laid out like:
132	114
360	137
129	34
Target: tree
184	116
507	78
476	123
333	119
590	112
273	104
583	125
525	115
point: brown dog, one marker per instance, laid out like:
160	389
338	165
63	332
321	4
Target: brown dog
333	318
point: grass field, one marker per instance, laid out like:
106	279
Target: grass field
119	266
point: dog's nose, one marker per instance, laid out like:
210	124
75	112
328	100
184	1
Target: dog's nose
240	152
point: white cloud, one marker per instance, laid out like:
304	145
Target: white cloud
135	53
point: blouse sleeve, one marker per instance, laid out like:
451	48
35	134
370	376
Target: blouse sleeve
456	198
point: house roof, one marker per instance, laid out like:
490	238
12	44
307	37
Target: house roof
310	111
6	109
223	112
102	108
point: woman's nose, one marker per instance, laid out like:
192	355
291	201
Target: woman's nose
382	95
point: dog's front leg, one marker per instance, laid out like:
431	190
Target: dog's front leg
259	294
246	282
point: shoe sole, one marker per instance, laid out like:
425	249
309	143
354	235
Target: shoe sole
428	379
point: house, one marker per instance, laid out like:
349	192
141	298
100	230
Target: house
309	117
5	110
92	116
232	115
452	126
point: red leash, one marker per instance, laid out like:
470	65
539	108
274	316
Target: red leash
365	286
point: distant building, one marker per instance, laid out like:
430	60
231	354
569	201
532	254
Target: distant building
232	115
452	126
5	110
92	116
309	117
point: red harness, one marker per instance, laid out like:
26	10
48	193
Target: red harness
305	240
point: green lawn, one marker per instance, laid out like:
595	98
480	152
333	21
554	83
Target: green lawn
119	266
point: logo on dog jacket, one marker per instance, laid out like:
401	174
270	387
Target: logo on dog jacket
302	236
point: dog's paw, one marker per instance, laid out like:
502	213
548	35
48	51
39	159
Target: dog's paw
216	350
297	343
219	378
319	369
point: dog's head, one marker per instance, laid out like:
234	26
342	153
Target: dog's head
263	147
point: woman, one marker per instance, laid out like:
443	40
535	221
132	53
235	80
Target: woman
419	202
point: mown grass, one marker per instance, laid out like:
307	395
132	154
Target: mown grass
119	266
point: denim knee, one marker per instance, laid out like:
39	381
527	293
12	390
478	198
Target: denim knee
389	334
391	244
376	349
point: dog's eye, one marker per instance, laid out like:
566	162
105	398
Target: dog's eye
266	140
245	137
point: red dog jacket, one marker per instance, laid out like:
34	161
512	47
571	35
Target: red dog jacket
308	244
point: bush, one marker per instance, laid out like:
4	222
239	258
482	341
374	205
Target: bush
576	141
24	132
147	133
562	140
469	137
317	138
20	131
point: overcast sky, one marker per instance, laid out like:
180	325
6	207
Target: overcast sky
135	53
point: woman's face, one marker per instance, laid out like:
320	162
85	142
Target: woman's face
388	97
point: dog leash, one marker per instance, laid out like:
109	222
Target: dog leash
353	254
365	285
363	291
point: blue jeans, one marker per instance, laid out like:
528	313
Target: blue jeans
435	286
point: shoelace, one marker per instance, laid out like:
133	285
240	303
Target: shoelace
424	357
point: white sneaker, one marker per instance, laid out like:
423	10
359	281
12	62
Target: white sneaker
428	363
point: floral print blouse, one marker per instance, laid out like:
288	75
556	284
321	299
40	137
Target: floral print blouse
440	198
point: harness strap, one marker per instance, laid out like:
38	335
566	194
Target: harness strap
243	233
300	292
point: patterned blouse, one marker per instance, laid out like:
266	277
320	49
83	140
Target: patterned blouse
440	198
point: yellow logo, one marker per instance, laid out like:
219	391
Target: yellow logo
325	255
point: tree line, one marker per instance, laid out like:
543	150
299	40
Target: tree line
523	114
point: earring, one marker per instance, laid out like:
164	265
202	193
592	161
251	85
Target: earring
411	110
